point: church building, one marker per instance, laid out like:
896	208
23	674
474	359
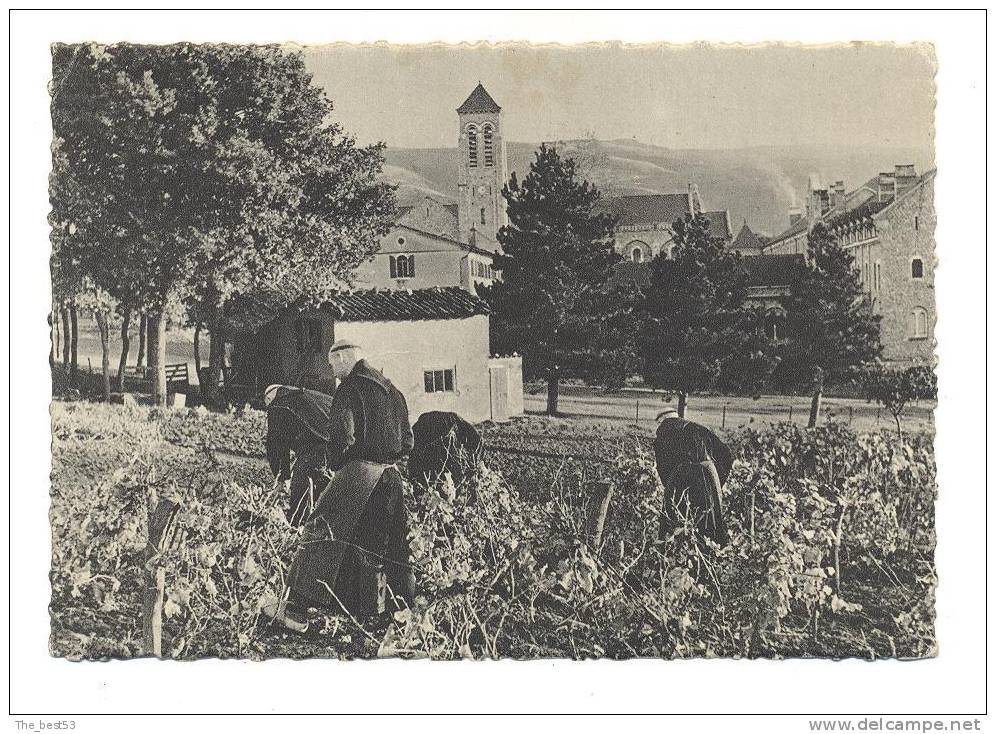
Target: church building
440	244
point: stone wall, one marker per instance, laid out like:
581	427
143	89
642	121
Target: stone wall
906	231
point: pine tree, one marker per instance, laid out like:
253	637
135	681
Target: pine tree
552	303
832	328
696	332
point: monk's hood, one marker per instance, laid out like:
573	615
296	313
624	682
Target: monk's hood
365	371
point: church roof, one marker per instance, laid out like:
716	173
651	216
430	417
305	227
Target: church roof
747	239
478	101
647	209
719	224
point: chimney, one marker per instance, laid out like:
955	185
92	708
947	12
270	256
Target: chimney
905	178
886	186
837	193
694	202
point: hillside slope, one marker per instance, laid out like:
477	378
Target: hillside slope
756	184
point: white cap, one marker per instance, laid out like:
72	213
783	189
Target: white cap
666	412
271	393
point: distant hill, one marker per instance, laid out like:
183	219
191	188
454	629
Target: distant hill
756	184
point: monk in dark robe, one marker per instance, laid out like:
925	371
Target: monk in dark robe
693	464
444	444
354	553
298	421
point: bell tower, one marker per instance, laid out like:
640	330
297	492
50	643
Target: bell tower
482	172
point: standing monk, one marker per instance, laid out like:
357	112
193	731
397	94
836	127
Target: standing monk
693	464
354	549
298	420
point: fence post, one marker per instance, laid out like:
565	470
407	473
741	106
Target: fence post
162	529
598	509
790	413
638	411
724	416
850	414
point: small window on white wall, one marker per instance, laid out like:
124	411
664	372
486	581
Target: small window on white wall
438	380
637	255
402	266
918	323
916	268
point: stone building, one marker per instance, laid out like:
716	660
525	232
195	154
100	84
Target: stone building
433	344
887	224
411	258
436	243
483	170
644	222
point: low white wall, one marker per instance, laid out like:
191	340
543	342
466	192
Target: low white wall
516	405
404	350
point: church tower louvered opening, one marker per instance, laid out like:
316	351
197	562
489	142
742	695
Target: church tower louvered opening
483	170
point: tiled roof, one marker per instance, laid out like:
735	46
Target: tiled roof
401	305
478	101
645	208
773	270
747	239
719	224
800	226
856	214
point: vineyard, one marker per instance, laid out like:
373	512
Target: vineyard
832	550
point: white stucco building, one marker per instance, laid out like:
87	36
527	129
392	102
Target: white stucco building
432	343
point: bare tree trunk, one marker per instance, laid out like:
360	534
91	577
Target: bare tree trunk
899	427
53	329
125	348
143	327
553	394
66	341
105	349
210	390
682	404
197	350
74	356
814	407
157	357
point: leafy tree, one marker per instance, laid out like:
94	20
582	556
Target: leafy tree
832	329
895	388
553	304
205	172
695	331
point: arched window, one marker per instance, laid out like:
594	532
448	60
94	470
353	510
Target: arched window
636	250
489	145
774	324
916	268
402	266
472	146
482	216
918	323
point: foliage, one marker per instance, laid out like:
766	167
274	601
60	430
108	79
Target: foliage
831	553
552	304
200	172
695	332
894	388
832	329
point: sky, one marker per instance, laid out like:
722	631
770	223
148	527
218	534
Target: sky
696	96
